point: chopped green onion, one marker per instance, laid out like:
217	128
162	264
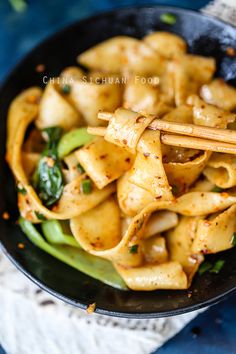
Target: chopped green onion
233	241
18	5
217	266
133	249
212	268
22	190
86	186
204	267
66	89
169	19
80	168
217	189
175	189
40	216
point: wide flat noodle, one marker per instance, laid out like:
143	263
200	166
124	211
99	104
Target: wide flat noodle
26	207
221	170
180	240
122	252
70	74
190	204
73	202
202	185
208	115
101	77
125	128
167	88
183	175
143	95
181	114
216	234
199	68
167	44
148	171
182	85
56	110
160	221
94	228
202	203
168	275
123	53
132	199
29	162
104	162
155	250
71	172
193	204
190	72
91	96
23	110
220	94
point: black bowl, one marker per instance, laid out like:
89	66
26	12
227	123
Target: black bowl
206	36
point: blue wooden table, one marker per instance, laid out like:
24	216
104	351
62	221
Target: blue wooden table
212	332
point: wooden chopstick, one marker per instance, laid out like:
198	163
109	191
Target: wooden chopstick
199	131
100	131
197	143
105	115
182	141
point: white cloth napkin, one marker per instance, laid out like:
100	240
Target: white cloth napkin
224	9
34	322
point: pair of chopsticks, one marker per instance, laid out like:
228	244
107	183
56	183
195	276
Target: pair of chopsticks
185	135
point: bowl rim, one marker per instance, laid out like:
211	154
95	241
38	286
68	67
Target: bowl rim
120	314
98	14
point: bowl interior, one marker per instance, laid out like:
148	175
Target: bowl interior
205	36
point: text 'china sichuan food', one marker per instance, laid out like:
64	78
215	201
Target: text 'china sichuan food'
126	169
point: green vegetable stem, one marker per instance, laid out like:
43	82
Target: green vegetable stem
86	186
95	267
72	140
53	233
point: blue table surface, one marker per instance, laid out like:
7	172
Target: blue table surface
214	330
